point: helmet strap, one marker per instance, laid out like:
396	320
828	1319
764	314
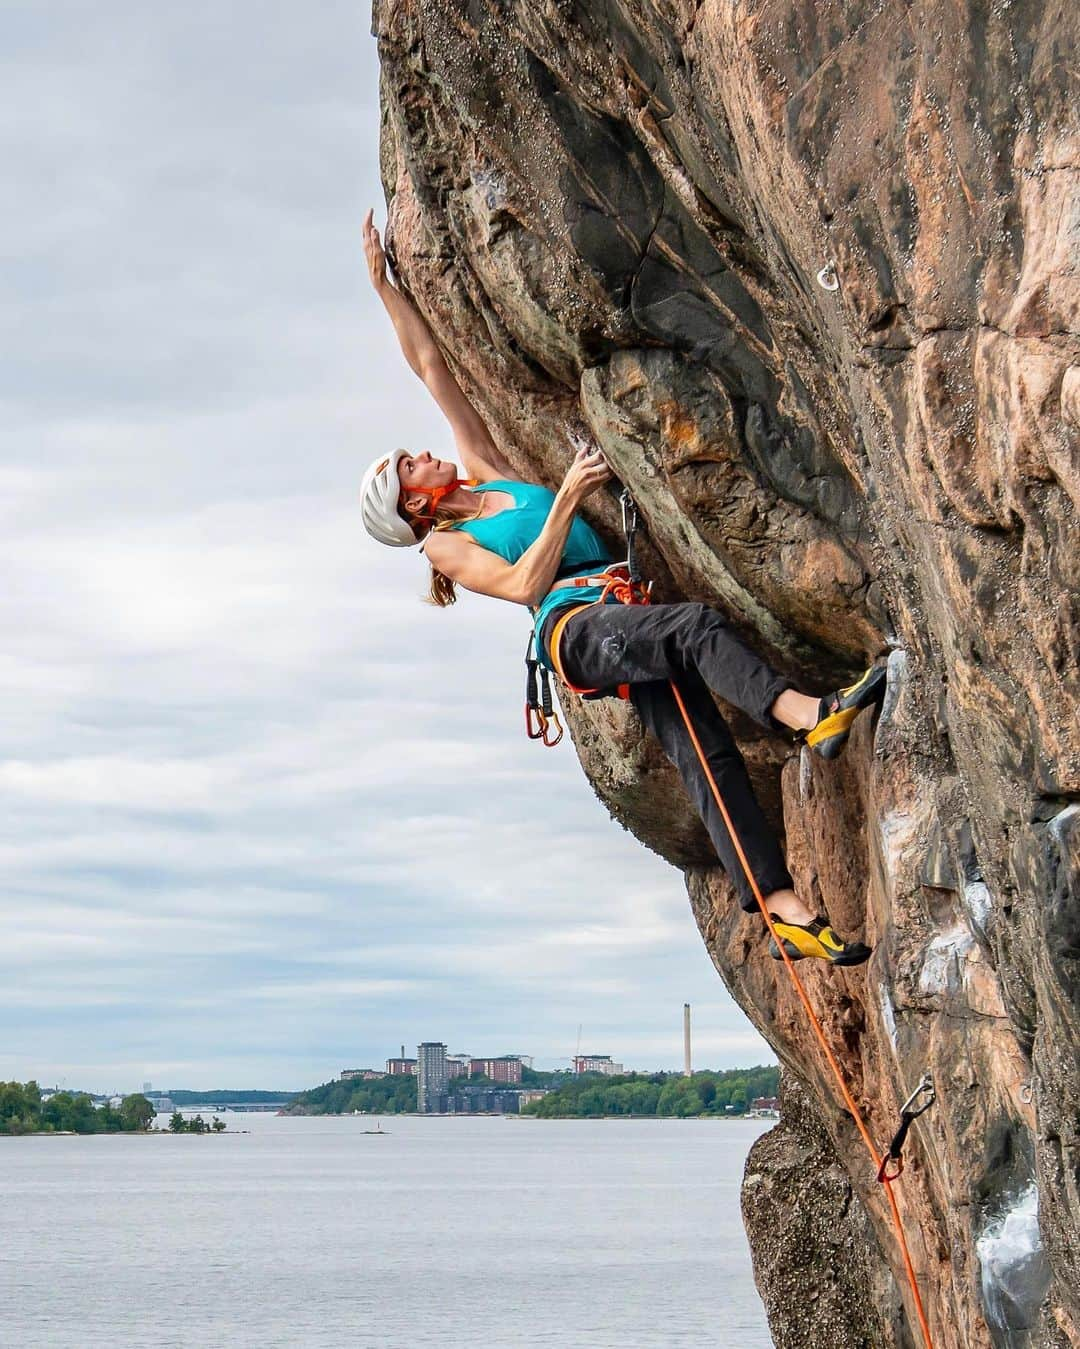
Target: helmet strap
435	495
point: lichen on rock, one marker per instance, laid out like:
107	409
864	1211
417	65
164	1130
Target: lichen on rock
613	214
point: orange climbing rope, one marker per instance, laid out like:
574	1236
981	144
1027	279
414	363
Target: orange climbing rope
880	1160
624	587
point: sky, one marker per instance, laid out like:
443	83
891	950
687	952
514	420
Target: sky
265	814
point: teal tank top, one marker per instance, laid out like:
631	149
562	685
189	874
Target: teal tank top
511	531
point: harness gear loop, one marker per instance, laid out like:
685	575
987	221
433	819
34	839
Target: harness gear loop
627	588
908	1115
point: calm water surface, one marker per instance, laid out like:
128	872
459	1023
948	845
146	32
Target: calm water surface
451	1232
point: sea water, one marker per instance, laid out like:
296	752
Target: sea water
582	1234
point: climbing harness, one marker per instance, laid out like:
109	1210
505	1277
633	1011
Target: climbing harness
908	1115
623	584
620	581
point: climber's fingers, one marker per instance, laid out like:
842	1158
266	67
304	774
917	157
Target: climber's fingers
373	250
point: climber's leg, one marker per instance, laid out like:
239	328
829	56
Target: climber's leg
610	644
802	934
797	711
658	709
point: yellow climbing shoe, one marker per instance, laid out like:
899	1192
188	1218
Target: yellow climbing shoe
816	939
839	710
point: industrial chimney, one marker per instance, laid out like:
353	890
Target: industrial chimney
687	1070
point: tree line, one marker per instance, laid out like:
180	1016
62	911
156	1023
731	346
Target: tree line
22	1111
587	1095
591	1096
394	1094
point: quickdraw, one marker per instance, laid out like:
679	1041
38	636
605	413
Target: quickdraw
540	714
628	506
908	1115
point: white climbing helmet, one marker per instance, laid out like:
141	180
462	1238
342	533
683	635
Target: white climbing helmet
380	493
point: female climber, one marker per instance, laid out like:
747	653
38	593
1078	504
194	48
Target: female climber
500	536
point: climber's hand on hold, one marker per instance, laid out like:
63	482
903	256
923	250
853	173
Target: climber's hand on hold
586	475
373	251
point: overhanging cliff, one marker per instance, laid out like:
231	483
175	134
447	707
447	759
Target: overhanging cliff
614	214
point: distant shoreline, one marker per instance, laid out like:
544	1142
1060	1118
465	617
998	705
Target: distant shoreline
120	1133
498	1114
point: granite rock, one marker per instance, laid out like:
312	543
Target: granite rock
808	272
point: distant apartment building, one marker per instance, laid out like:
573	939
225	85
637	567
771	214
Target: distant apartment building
506	1068
401	1067
457	1065
364	1074
530	1094
597	1063
480	1099
432	1077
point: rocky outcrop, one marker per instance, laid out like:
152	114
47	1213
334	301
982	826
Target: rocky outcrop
808	272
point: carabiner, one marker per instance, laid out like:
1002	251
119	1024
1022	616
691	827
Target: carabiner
629	525
548	723
535	717
629	511
926	1085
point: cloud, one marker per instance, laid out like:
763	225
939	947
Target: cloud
265	813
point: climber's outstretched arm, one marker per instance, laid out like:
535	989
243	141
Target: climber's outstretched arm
475	447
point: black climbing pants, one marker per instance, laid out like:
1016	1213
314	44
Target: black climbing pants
645	646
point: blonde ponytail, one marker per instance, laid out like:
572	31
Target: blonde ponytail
442	591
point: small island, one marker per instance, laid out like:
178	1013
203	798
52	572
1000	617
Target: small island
196	1125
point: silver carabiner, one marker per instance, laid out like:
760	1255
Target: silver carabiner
629	512
926	1085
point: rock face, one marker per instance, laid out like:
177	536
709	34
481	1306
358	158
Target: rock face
808	272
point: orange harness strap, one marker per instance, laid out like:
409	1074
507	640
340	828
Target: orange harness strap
625	592
623	690
556	640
